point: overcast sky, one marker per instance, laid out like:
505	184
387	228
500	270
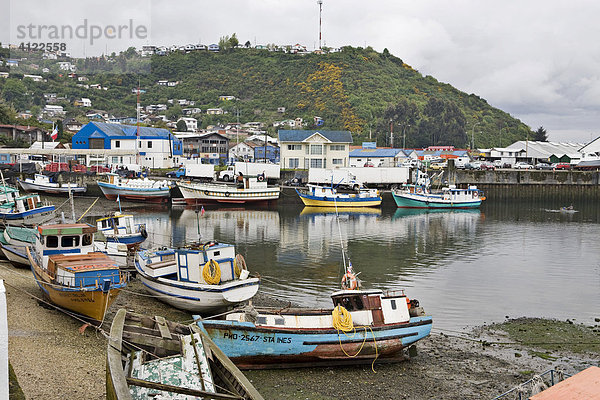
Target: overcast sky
537	60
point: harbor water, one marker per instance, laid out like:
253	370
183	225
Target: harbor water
466	267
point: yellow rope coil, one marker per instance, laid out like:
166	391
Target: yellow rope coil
239	263
211	272
342	320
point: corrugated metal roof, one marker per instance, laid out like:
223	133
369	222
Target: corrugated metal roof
582	386
546	149
286	135
375	152
128	130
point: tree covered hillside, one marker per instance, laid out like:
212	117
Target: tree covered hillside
361	90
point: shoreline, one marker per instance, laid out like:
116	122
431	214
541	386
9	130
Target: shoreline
52	360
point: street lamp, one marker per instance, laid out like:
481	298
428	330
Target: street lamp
404	136
473	136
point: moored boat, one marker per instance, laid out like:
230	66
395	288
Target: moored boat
200	278
418	196
155	358
43	183
27	210
70	274
382	323
136	189
121	228
327	196
251	191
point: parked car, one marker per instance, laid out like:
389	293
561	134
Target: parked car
487	166
438	165
561	165
473	165
543	166
498	163
523	165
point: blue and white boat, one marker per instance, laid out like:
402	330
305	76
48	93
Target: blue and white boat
136	189
418	196
28	210
364	325
201	278
121	228
328	196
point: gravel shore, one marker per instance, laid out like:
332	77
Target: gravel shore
53	360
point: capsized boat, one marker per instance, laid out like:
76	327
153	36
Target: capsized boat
418	196
43	183
250	191
382	324
152	358
136	189
327	196
121	228
69	272
199	278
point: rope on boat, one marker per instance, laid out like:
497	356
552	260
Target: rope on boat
211	272
342	321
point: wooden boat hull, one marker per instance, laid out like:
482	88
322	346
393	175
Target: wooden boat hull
411	200
207	373
17	256
226	194
33	187
251	347
196	297
153	195
340	202
29	217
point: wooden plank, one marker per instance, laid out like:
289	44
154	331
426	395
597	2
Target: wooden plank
162	327
116	384
180	390
152	342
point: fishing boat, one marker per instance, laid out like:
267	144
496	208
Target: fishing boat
118	252
364	325
250	191
27	210
140	189
121	228
419	196
43	183
14	243
152	358
198	278
70	273
328	196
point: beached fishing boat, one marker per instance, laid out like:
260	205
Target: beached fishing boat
27	210
419	196
70	273
14	243
121	228
136	189
251	191
152	358
199	278
382	324
327	196
43	183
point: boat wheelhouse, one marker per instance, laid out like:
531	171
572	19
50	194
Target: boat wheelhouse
198	278
121	228
70	273
327	196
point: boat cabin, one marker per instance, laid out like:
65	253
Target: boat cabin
186	264
116	224
8	194
373	307
64	239
22	204
457	194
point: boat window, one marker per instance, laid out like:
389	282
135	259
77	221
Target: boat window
279	321
105	223
347	304
216	253
393	303
69	241
86	240
116	221
358	303
52	241
261	320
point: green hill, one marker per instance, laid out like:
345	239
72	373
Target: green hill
356	89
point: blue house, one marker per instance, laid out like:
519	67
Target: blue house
272	153
148	147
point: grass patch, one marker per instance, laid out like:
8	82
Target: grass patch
552	335
544	356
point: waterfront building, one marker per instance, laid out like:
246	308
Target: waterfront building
314	148
211	147
370	155
149	147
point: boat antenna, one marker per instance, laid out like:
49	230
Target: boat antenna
337	218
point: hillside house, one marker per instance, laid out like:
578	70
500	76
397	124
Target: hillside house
26	134
214	111
83	102
35	78
210	147
314	149
190	123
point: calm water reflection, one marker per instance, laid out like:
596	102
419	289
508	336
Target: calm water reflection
466	267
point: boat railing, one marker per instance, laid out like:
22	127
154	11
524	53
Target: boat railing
394	293
535	384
